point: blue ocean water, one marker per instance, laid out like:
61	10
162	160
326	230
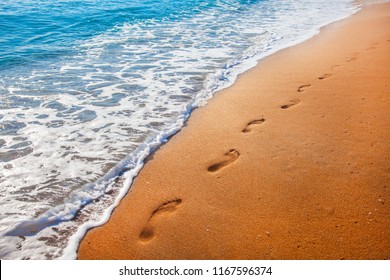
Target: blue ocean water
35	30
88	89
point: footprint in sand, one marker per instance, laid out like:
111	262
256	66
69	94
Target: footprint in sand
373	46
249	127
354	57
290	104
148	233
231	157
334	66
327	75
351	59
302	87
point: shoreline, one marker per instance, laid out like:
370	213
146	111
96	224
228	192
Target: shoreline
238	193
70	251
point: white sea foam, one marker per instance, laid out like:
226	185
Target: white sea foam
77	131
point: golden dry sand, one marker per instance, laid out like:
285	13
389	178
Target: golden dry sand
292	162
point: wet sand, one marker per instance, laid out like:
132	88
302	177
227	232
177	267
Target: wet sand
291	162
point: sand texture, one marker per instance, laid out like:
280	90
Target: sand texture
292	162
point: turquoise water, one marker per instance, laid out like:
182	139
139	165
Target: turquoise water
33	30
88	89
